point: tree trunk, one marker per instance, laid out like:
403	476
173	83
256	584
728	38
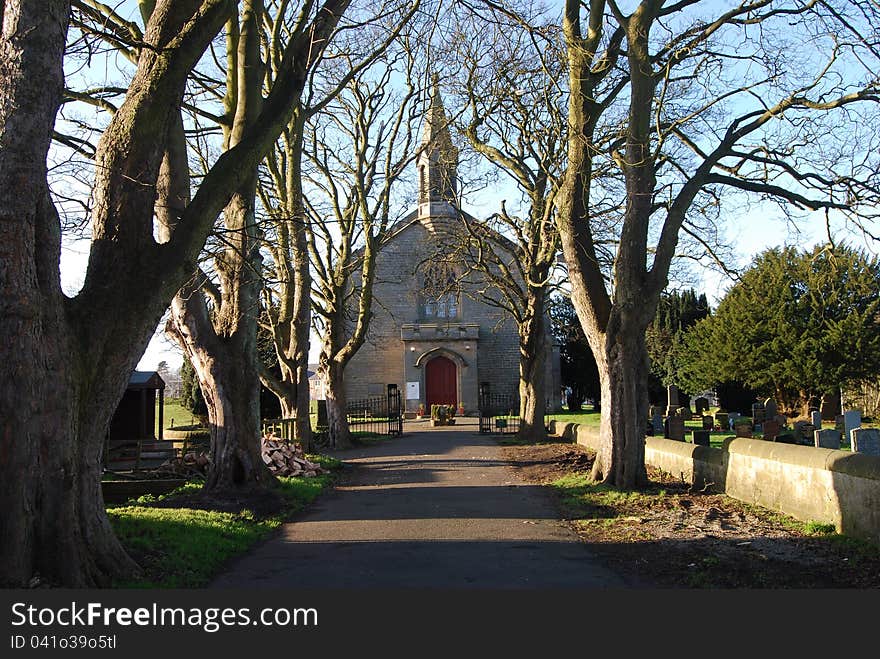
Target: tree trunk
623	372
302	321
532	372
337	419
54	406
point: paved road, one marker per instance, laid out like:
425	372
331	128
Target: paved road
435	508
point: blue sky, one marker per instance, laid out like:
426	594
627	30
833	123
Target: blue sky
761	227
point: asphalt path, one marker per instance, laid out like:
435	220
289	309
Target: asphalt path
435	508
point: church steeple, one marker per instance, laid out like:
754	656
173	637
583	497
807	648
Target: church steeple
438	161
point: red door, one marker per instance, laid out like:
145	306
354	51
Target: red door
440	386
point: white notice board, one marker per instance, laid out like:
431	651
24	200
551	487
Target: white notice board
412	390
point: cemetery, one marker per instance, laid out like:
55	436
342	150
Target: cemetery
815	473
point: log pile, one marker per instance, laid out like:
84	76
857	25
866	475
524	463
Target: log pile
284	460
191	464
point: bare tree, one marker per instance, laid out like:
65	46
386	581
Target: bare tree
72	356
357	151
514	117
709	99
287	295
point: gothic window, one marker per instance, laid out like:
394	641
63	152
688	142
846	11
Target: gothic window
440	292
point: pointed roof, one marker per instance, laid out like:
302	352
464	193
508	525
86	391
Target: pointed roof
436	127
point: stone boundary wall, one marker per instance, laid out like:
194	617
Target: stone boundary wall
810	484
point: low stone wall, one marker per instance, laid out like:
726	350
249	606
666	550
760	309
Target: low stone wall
810	484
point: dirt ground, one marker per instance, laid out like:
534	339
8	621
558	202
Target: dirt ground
675	536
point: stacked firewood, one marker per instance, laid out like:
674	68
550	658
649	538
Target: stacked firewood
288	460
192	463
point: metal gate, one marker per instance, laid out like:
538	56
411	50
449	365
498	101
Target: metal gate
499	413
378	415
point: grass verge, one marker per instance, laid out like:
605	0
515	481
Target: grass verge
186	547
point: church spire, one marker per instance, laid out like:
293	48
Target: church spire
438	161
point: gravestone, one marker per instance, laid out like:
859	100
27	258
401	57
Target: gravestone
701	404
674	428
700	437
671	399
785	438
657	424
826	439
816	418
782	420
733	418
654	410
852	419
803	432
708	423
866	441
743	429
759	413
770	429
721	419
770	409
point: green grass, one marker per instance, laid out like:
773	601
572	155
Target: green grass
174	410
583	498
186	547
585	418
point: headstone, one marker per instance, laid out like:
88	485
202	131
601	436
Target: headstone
759	413
803	432
785	438
700	437
657	424
826	439
782	420
701	404
866	441
733	418
671	399
770	429
770	409
654	410
721	419
838	422
708	423
816	418
852	419
743	429
675	428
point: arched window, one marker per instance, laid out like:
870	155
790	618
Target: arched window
439	292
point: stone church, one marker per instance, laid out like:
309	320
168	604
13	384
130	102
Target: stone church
431	334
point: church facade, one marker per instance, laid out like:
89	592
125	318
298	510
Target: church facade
432	333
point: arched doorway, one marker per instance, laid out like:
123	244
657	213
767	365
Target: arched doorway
440	382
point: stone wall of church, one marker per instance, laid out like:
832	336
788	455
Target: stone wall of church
482	341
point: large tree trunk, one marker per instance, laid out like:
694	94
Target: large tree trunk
623	373
337	419
54	405
532	371
232	392
223	352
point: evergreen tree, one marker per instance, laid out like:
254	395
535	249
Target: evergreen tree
191	397
578	370
676	313
796	326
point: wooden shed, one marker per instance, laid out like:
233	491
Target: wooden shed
131	441
135	417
